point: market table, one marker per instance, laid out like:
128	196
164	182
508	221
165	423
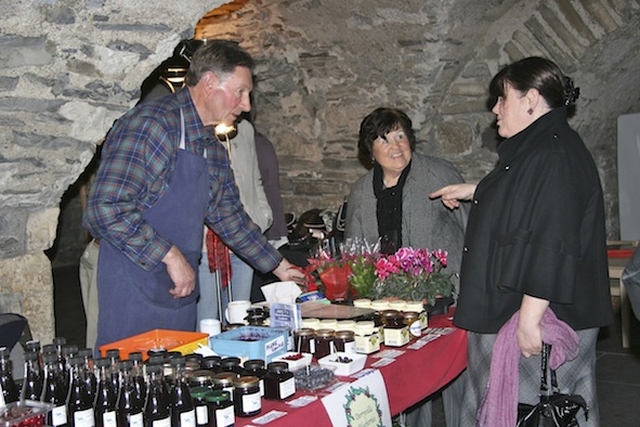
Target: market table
414	375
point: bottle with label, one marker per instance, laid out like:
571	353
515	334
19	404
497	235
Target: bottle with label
113	355
279	383
89	371
34	346
157	411
7	384
255	367
32	383
183	412
137	373
104	404
221	412
79	402
128	406
53	390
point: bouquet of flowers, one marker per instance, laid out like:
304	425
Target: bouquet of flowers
414	275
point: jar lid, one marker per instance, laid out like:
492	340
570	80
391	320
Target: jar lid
230	362
311	322
380	304
254	364
304	332
278	367
365	327
344	334
345	325
246	381
397	305
217	396
325	333
410	316
224	379
199	392
211	362
200	375
362	302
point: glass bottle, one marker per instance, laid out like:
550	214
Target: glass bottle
182	410
156	408
104	404
279	383
32	383
79	402
137	372
53	390
9	388
128	406
113	355
89	371
34	346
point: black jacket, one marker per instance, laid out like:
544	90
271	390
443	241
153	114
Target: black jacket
537	227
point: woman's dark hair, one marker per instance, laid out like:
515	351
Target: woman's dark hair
379	123
218	56
536	73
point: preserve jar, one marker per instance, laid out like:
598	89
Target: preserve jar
279	383
345	341
224	381
200	378
246	396
221	409
324	342
255	367
202	410
304	340
412	321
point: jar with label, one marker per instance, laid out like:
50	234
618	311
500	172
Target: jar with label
279	383
202	411
367	337
396	333
418	307
324	343
345	341
224	381
386	314
255	367
232	364
412	321
246	396
221	411
304	340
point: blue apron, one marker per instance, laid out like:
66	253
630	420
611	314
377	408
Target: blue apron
133	300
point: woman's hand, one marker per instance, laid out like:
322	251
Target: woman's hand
451	195
529	332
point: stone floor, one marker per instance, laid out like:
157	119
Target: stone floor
618	369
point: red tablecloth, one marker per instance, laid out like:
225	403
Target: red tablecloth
412	377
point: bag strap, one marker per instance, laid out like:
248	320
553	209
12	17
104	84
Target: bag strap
547	373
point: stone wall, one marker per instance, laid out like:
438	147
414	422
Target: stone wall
69	68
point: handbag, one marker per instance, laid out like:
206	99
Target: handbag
555	409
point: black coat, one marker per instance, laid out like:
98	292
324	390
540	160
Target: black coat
537	227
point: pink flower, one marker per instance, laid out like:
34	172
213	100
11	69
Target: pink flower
441	256
385	267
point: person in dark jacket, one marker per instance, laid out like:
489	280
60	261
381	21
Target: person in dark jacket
535	237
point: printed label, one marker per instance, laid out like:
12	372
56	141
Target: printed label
59	415
84	418
251	403
225	417
287	388
188	419
109	419
165	422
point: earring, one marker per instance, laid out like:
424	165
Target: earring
530	111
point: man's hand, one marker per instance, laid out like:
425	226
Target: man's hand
180	272
289	272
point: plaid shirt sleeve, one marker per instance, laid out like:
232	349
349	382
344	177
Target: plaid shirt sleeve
227	217
133	171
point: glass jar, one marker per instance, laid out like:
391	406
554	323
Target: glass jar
202	411
385	315
304	341
221	410
396	333
345	342
224	381
255	367
328	324
412	321
279	383
418	307
212	363
246	396
232	364
324	342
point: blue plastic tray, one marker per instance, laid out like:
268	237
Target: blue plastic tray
252	342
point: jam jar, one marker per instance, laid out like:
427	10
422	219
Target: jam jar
255	367
202	410
304	340
221	409
224	381
246	396
345	342
412	321
279	383
200	378
324	342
